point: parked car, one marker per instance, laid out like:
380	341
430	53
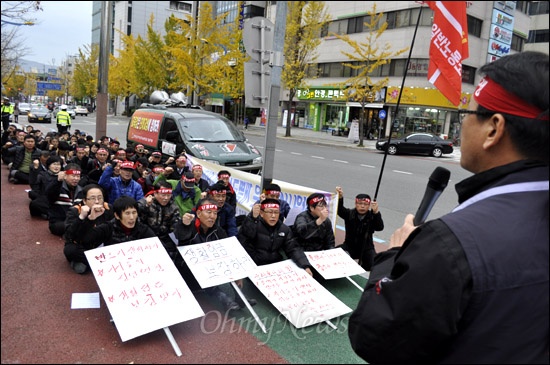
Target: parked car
177	127
70	110
417	143
24	108
40	115
81	110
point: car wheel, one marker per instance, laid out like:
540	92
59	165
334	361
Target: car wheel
437	152
392	149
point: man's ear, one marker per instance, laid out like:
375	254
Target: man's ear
495	130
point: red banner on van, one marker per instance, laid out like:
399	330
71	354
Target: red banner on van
145	127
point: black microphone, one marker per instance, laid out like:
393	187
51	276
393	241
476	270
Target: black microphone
436	184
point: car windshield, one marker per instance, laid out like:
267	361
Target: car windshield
24	106
39	110
209	129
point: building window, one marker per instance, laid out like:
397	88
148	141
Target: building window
355	25
468	74
538	36
336	27
180	6
538	7
517	43
522	6
474	26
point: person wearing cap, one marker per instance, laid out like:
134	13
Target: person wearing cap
7	111
312	227
186	193
140	151
155	158
63	119
141	164
471	287
361	223
149	181
63	193
116	187
39	179
93	198
226	213
158	210
199	181
198	228
265	237
273	191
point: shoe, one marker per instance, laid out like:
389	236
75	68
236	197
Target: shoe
79	267
13	180
9	165
228	304
241	304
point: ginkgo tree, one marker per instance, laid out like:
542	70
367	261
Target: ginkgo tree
85	76
305	19
365	57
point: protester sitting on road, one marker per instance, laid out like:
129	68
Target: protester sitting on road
159	211
471	287
264	236
312	227
125	227
140	164
155	158
226	213
176	170
140	151
149	181
93	199
22	159
199	181
186	194
116	187
114	146
202	228
223	177
40	179
81	159
361	222
97	165
273	191
63	193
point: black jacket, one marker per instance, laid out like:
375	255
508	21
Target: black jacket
110	232
265	243
311	236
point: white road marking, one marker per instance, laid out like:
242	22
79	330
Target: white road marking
319	157
340	161
402	172
295	153
369	166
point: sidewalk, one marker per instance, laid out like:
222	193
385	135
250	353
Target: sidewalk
311	136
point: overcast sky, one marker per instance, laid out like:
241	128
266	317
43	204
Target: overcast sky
60	30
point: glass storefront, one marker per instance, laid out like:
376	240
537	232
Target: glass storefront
419	119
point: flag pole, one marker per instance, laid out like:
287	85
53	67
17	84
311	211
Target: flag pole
398	102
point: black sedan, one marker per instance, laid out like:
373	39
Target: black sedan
417	143
40	115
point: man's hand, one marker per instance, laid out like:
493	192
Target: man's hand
187	218
401	234
96	211
256	210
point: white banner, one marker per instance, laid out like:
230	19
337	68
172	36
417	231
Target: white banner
334	264
141	287
217	262
299	297
248	189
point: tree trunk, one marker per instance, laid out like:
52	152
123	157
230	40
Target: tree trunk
361	126
288	115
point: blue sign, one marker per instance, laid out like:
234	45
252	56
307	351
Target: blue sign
382	114
48	86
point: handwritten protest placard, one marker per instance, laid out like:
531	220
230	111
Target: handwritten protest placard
334	264
141	286
299	297
217	262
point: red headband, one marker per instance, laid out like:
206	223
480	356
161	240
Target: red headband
269	205
164	191
207	207
273	192
316	200
197	167
72	172
102	150
494	97
367	200
80	149
223	176
158	169
218	192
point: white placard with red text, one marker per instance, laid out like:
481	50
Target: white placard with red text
217	262
334	264
298	296
141	287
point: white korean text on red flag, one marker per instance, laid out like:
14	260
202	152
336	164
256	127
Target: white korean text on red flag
448	47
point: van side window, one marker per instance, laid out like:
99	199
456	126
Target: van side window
170	131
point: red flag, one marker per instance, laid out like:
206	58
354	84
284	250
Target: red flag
448	47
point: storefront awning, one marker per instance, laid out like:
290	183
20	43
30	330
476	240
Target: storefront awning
371	105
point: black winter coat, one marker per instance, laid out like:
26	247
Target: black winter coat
264	243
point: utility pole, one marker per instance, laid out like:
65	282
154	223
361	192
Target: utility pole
102	103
